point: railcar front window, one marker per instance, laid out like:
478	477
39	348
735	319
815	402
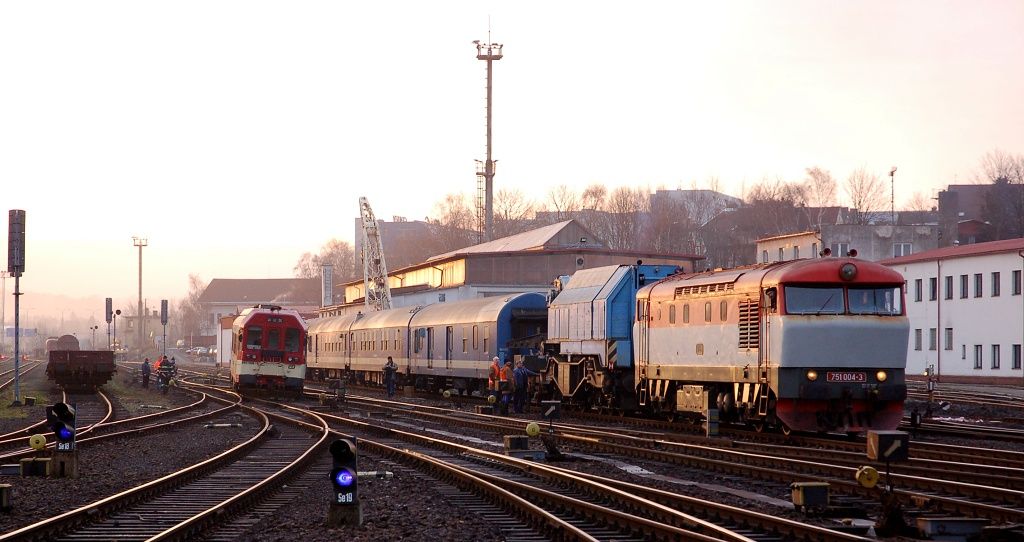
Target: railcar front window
273	339
291	340
805	300
880	301
254	337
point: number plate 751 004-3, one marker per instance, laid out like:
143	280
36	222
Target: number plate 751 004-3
837	376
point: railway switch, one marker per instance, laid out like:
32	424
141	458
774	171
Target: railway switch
345	508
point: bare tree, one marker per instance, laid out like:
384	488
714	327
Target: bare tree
339	254
453	224
1004	201
512	213
918	202
866	192
189	316
773	203
819	192
564	203
594	196
625	208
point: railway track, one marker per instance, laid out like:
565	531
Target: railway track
184	503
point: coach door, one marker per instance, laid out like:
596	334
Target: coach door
449	342
430	348
643	307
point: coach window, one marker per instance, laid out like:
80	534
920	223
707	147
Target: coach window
707	311
671	314
291	340
417	341
465	340
723	308
486	333
254	337
686	313
474	336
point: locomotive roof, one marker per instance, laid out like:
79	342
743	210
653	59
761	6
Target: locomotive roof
805	270
484	309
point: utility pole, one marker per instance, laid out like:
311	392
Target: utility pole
892	196
140	242
16	266
488	52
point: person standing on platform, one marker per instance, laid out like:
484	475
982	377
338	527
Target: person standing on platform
145	373
390	376
521	375
494	377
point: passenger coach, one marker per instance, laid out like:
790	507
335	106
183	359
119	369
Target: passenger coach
437	346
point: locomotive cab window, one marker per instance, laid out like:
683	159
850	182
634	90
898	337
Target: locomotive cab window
814	300
881	301
254	337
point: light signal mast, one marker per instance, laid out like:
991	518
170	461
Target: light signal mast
488	52
375	271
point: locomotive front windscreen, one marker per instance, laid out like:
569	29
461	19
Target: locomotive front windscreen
880	301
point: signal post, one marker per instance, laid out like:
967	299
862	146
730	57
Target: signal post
61	418
345	507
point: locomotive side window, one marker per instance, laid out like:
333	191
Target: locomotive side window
254	337
686	313
811	300
880	301
724	309
707	311
291	340
671	314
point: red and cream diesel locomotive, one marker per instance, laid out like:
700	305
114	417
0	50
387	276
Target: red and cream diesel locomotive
808	345
268	349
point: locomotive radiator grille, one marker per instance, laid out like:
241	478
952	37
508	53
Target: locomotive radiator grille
749	325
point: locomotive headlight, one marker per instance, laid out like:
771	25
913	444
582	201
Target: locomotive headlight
848	271
812	375
882	376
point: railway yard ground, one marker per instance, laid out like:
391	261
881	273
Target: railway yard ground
433	469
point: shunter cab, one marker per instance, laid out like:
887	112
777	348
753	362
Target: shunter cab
268	348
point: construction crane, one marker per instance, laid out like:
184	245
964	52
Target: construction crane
375	271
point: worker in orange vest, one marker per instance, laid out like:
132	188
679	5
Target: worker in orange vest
494	377
505	383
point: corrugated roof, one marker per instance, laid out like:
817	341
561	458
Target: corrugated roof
537	239
290	292
962	251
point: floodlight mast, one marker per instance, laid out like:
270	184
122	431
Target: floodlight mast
375	270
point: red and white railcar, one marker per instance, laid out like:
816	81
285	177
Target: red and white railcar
808	345
268	349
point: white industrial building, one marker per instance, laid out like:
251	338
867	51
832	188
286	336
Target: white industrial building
966	311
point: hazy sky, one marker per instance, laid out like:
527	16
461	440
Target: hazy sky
237	135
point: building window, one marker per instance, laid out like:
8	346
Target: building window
933	285
977	285
949	339
782	255
764	256
931	338
963	286
917	339
796	253
917	289
1016	357
995	356
814	250
948	287
963	351
1016	283
995	284
838	249
977	356
899	249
